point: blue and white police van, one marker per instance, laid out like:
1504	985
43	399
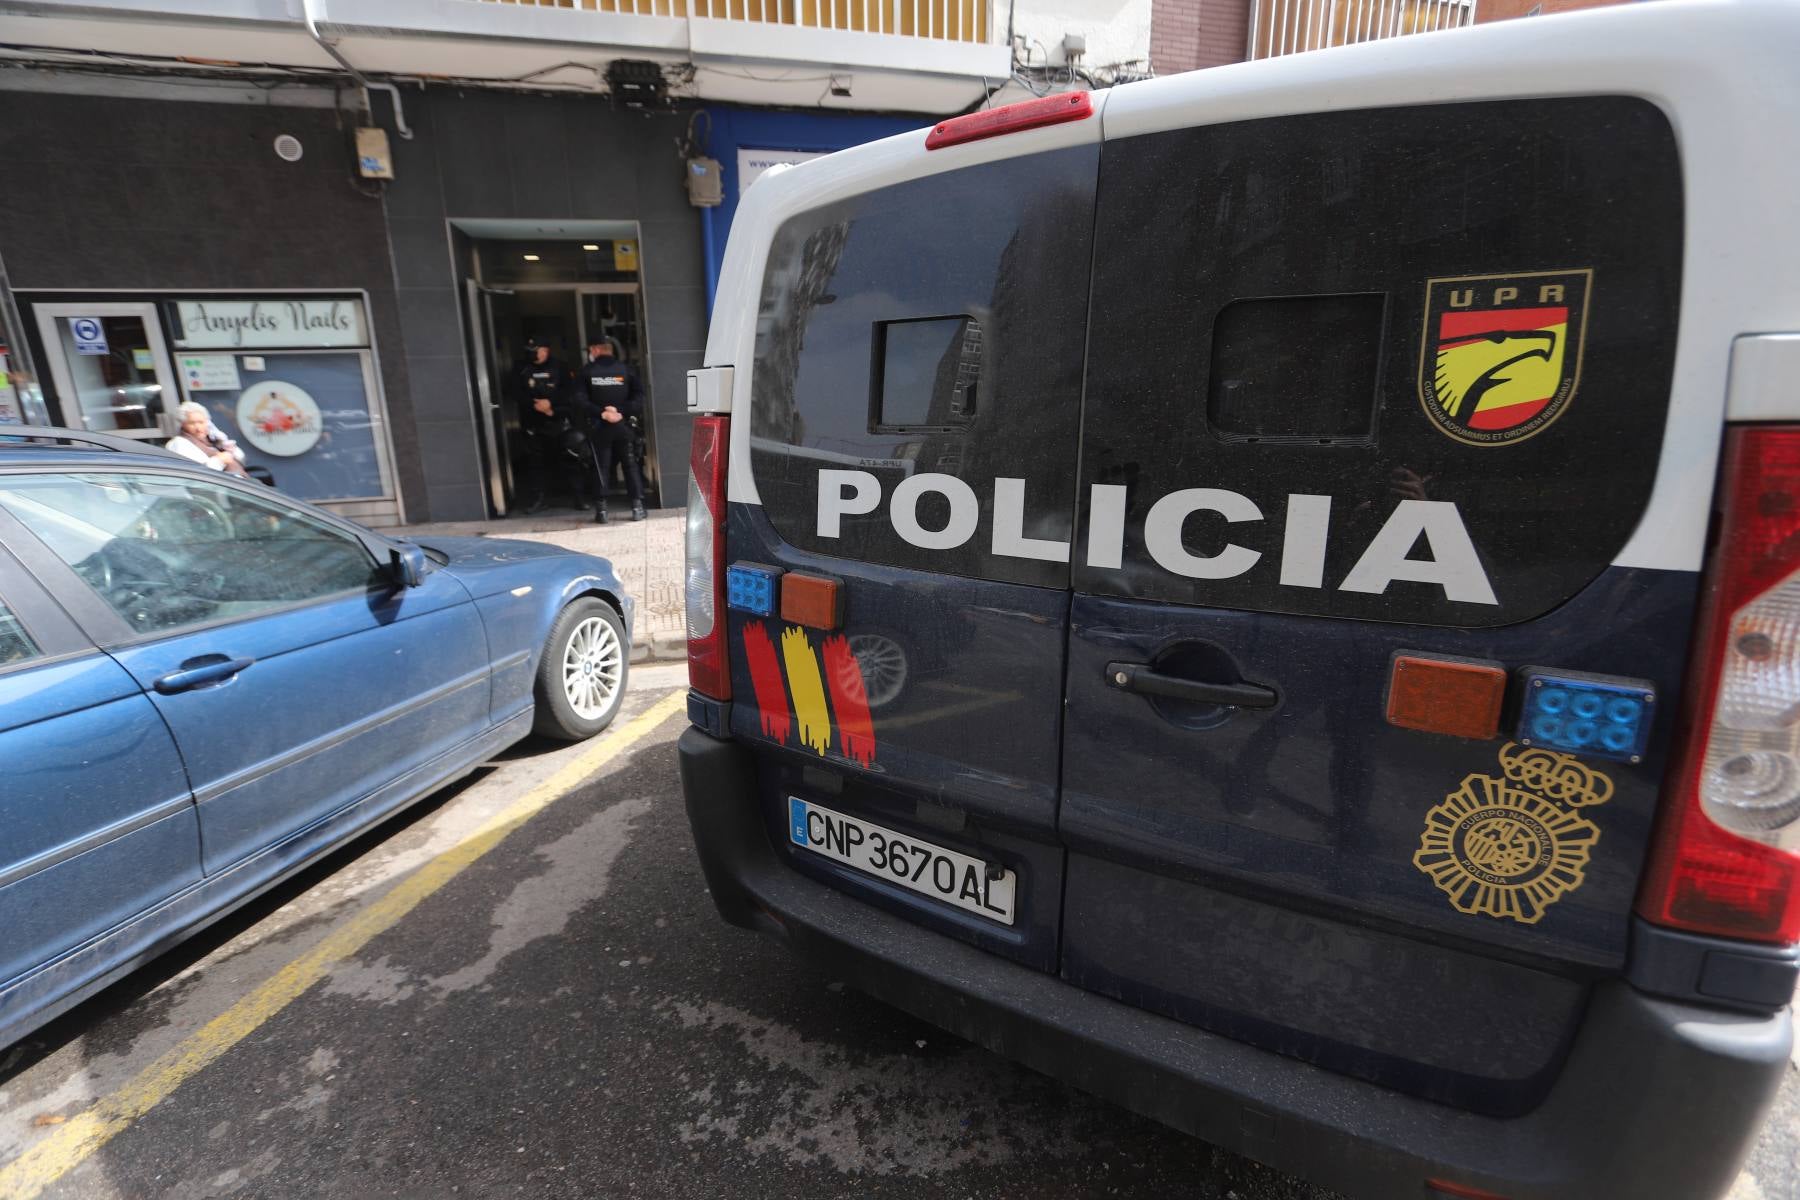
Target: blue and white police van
1273	594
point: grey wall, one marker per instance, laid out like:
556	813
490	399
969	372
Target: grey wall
107	193
498	155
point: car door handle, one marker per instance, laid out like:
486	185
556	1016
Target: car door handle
1141	678
215	668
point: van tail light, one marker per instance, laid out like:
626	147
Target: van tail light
709	671
1726	859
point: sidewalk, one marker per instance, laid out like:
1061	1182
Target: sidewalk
648	556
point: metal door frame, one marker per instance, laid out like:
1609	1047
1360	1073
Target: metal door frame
487	405
66	392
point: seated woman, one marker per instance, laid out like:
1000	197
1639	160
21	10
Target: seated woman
200	441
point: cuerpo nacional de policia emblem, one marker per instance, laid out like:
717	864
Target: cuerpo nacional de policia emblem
1512	845
1502	353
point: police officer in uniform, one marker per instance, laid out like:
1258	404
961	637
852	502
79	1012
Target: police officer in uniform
540	396
613	398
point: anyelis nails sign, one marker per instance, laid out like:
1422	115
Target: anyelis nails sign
269	323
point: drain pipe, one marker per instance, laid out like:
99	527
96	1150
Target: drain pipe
312	29
399	113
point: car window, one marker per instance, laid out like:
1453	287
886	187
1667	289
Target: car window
15	644
166	552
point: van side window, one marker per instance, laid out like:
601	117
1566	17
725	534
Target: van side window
1296	368
914	345
927	373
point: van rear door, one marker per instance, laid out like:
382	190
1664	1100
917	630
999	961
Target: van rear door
911	441
1364	386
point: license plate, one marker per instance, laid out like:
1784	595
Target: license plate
899	858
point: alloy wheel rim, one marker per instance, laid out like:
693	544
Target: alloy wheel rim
592	664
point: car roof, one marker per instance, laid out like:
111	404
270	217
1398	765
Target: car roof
52	458
54	449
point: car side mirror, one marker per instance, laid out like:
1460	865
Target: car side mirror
408	565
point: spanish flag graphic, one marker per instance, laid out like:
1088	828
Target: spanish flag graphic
790	692
1498	368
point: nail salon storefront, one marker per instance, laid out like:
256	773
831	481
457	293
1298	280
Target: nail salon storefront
291	376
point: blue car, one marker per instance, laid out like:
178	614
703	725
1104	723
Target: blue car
205	685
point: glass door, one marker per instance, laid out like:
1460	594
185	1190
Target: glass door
110	367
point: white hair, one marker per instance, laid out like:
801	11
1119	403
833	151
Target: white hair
189	409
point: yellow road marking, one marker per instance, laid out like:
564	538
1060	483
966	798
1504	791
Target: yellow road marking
74	1141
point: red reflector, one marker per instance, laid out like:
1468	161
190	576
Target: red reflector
811	601
1459	697
1011	118
1701	876
1461	1190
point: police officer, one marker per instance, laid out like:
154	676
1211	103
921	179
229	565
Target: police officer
614	397
540	396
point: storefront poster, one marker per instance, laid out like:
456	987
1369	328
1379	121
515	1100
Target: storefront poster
307	417
210	372
9	405
279	418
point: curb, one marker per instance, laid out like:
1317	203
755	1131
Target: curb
660	647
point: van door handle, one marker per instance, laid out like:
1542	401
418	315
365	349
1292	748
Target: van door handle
1141	678
198	672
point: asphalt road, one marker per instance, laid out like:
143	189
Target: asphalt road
521	988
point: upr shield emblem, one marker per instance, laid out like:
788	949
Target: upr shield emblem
1501	354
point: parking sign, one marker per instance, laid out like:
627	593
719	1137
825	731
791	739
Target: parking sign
89	335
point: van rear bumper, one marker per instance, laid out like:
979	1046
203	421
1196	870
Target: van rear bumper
1657	1099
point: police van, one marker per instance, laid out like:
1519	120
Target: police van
1273	594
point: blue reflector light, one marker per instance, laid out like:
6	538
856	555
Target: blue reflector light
1597	716
750	587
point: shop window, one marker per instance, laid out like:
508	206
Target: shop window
292	380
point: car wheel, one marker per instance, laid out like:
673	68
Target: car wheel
581	677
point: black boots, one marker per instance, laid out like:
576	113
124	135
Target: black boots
637	511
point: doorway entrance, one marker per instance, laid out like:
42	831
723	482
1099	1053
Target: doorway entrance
110	366
521	290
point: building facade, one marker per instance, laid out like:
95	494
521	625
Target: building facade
339	225
345	269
